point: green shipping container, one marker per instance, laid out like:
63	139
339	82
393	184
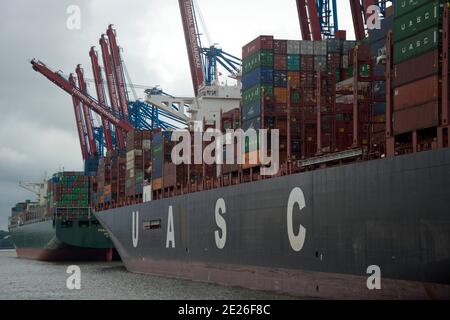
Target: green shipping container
254	94
338	75
416	45
404	6
293	62
296	97
364	71
418	20
262	58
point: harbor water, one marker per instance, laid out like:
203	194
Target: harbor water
30	279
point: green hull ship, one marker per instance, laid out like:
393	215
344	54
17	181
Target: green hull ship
60	227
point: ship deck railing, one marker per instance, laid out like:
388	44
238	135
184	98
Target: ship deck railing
245	176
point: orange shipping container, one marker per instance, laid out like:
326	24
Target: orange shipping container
280	95
416	118
416	93
294	79
157	184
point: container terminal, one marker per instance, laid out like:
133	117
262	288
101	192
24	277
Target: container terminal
363	175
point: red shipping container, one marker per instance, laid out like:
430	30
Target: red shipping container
280	47
416	118
334	61
260	43
280	62
416	93
416	68
363	53
341	34
306	63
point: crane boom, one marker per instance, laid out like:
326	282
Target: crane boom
101	96
358	22
192	43
87	113
78	118
309	20
110	83
102	110
118	71
303	18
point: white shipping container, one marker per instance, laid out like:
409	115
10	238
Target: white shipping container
133	153
147	193
293	47
320	48
307	47
146	144
131	164
344	61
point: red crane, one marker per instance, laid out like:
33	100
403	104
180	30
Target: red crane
192	43
79	120
87	114
118	71
61	82
358	20
101	96
110	83
309	20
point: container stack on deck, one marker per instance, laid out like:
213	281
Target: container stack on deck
68	194
138	153
323	97
417	53
286	71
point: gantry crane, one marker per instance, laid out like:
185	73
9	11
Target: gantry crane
110	80
84	98
38	188
101	96
79	119
123	115
203	61
319	18
118	71
87	114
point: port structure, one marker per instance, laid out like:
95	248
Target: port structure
121	114
210	97
319	18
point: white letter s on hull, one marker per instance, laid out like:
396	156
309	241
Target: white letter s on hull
221	223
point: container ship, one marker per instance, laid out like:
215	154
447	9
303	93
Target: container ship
60	225
359	206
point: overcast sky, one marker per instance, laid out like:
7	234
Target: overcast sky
37	132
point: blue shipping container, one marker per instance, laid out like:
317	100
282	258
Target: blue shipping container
280	79
258	76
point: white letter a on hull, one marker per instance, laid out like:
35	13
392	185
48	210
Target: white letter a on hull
170	240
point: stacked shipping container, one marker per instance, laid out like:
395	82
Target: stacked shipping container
138	155
68	194
282	74
417	40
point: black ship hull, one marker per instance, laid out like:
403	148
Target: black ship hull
312	234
